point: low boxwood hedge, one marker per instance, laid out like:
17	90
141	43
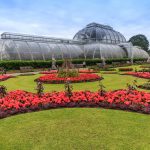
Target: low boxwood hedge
16	64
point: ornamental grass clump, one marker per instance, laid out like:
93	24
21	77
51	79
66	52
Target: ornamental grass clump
68	88
101	90
132	87
3	90
67	70
63	73
40	89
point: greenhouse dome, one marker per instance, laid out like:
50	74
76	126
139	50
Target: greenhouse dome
100	33
93	41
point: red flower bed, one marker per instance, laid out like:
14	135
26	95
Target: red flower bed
52	78
80	71
49	72
4	77
87	71
20	101
145	75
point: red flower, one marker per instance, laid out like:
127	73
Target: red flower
53	78
145	75
20	100
4	77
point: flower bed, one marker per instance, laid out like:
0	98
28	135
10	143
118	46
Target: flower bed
20	101
53	78
49	72
88	71
145	75
80	71
5	77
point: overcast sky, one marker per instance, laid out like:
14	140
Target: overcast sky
63	18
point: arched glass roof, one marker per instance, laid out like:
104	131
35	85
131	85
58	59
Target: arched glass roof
102	33
31	50
94	41
137	52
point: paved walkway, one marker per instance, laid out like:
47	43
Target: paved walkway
25	73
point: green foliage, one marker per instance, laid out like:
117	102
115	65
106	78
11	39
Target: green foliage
68	88
140	40
67	73
3	90
39	88
16	64
101	89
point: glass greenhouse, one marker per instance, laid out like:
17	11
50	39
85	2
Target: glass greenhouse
93	41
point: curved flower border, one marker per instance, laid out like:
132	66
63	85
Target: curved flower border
5	77
145	75
16	102
56	71
53	79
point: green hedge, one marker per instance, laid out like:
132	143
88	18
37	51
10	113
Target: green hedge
9	65
16	64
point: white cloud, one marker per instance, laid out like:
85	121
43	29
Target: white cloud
66	17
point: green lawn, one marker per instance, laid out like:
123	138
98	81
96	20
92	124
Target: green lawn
75	128
111	82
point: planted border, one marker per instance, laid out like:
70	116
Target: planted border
53	79
21	102
5	77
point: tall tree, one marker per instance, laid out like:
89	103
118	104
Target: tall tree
140	40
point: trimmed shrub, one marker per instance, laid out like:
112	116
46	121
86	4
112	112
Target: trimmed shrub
125	69
16	64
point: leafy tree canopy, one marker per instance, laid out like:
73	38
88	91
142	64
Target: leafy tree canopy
140	40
